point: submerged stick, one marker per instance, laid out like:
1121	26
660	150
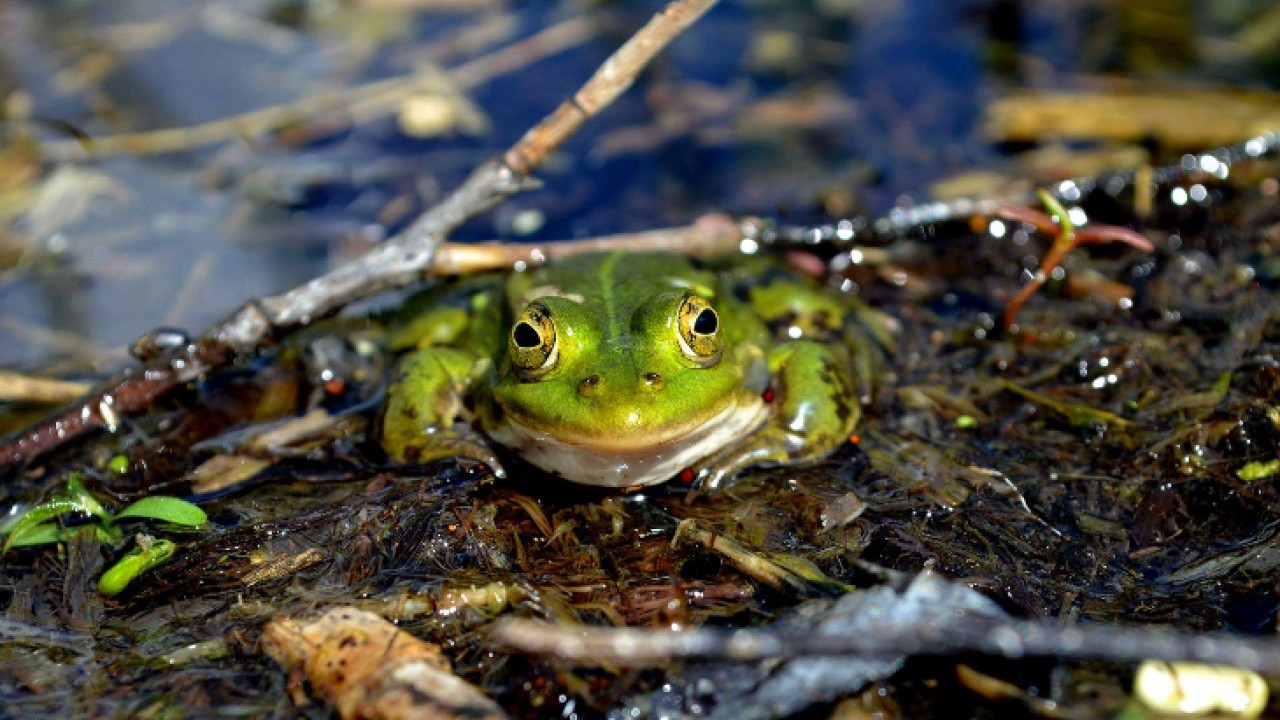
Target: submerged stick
402	260
363	102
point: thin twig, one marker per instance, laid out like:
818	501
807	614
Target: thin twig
16	387
409	256
399	262
1013	639
710	236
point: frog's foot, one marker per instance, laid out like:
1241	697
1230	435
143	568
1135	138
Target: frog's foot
768	446
814	410
457	441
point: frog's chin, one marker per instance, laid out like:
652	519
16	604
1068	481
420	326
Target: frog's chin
639	460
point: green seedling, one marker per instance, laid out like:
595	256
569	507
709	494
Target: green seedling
1258	470
44	525
150	553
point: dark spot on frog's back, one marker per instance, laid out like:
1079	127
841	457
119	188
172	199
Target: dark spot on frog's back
589	385
834	379
654	381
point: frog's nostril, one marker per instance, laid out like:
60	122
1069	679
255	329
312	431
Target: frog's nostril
653	380
589	385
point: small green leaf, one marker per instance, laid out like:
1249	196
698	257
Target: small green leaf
118	464
1060	213
139	560
109	535
1258	470
12	521
1222	385
1075	414
966	422
33	535
77	493
168	509
76	500
54	507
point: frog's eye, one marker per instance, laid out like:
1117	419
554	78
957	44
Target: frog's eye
699	331
533	341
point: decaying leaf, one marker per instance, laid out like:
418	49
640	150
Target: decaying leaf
365	667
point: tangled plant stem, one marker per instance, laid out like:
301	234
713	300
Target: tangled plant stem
1066	237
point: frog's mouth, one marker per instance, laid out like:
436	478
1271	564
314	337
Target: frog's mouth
632	460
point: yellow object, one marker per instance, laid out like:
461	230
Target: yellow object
1195	689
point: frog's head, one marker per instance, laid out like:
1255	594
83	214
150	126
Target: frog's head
627	402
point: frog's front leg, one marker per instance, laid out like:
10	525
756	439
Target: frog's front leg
424	419
814	411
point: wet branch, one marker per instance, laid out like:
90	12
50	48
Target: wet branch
711	235
635	647
402	260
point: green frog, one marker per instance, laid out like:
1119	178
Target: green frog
624	370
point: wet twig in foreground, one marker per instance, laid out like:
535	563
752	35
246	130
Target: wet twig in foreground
399	262
637	647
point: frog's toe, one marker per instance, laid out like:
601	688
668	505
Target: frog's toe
720	470
459	441
462	441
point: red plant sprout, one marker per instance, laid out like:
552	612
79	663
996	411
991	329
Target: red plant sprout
1066	237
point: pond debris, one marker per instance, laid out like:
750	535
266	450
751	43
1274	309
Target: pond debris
770	689
887	622
20	388
224	471
1260	553
1077	415
364	667
358	104
212	649
1183	119
488	601
1007	694
801	579
275	567
841	510
1258	470
1066	237
1190	689
66	196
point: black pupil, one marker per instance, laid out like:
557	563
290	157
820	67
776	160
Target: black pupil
525	336
706	322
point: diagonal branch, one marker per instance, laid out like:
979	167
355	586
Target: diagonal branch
401	261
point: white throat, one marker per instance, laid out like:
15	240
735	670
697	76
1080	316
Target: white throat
644	465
